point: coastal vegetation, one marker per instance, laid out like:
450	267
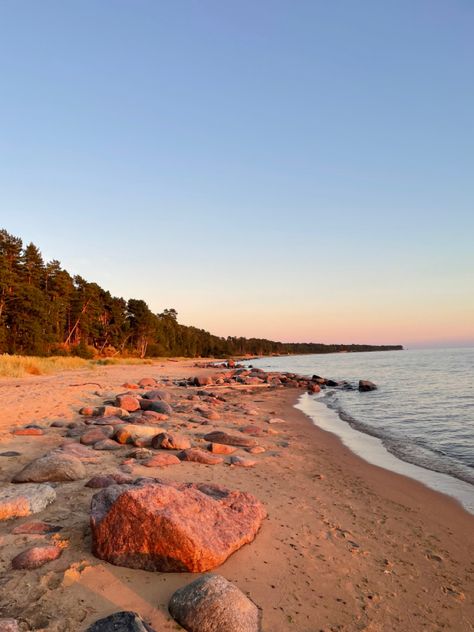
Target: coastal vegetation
46	311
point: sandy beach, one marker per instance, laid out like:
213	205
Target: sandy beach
346	546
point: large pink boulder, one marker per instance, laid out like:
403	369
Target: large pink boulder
172	527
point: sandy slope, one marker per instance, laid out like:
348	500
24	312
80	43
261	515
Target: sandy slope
347	546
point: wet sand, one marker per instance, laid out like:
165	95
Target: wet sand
347	545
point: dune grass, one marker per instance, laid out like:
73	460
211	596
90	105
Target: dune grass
21	366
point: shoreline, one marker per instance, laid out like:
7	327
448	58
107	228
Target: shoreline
347	545
372	450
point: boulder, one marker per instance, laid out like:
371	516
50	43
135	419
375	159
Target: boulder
107	444
105	480
220	448
314	388
162	460
168	441
130	433
366	385
156	406
202	381
147	381
197	455
36	556
55	466
16	502
218	436
120	622
82	452
213	604
172	527
127	402
94	435
165	396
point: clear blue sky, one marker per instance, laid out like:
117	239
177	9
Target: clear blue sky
296	170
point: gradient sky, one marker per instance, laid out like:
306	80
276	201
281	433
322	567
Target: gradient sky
294	170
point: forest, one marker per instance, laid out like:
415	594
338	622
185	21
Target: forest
46	311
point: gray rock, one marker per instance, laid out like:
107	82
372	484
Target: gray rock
120	622
55	466
156	405
24	501
213	604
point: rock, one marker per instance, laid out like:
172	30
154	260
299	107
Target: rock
366	385
87	411
96	434
202	381
111	411
58	424
108	421
165	396
99	482
258	449
141	454
36	556
130	433
82	452
213	604
162	460
107	444
331	383
127	402
9	625
36	527
222	437
10	453
276	420
55	466
169	441
16	502
120	622
151	416
130	385
147	381
156	406
314	388
196	455
220	448
172	527
241	462
33	432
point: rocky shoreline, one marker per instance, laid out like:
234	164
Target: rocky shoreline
222	430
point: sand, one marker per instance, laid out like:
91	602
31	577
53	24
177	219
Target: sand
347	545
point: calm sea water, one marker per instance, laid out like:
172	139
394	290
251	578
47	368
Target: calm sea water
422	412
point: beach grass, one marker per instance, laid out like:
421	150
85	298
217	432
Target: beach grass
21	366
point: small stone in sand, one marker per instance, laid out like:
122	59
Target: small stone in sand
35	557
241	462
33	432
199	456
211	604
258	449
39	527
162	460
220	448
10	453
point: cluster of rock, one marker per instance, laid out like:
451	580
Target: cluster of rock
146	522
209	604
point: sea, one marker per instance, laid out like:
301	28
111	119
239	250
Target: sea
419	422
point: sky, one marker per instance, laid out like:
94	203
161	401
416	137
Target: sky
300	171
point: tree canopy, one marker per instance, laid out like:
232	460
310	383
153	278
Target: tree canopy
46	311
